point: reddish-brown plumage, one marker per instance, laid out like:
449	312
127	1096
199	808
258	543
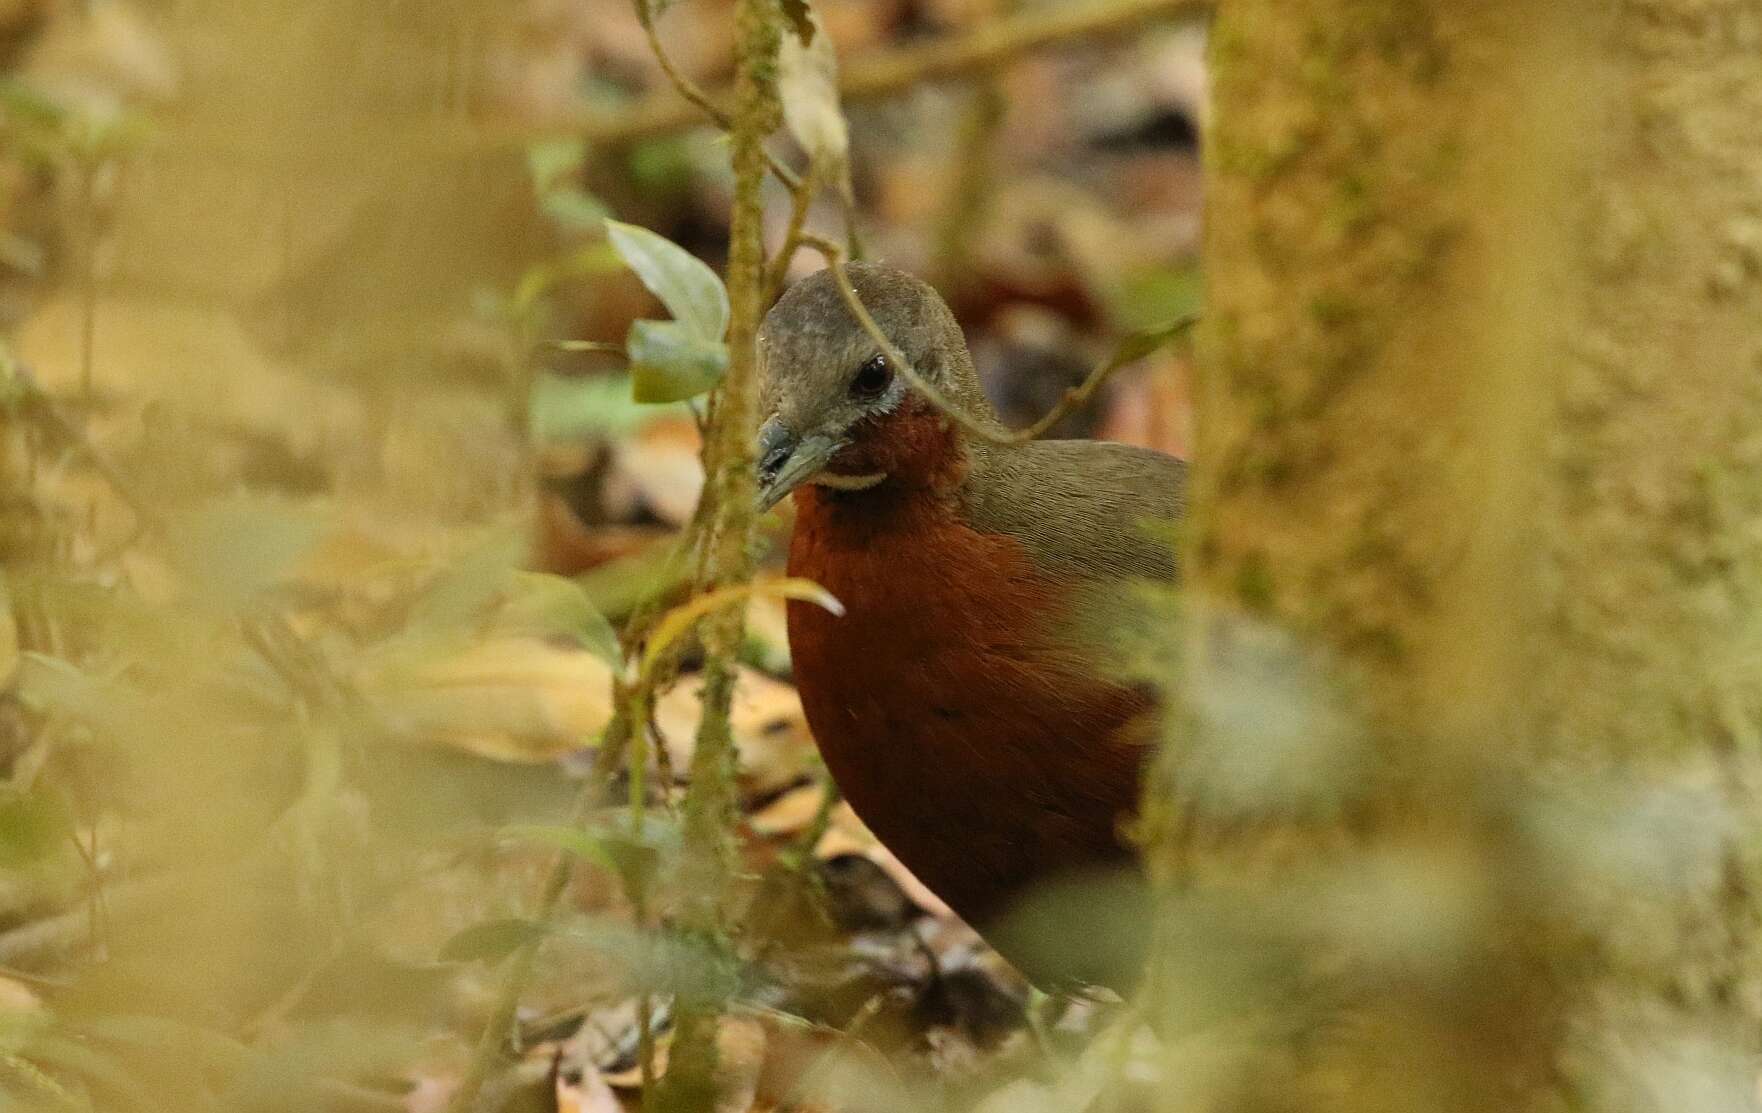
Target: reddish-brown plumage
968	701
944	699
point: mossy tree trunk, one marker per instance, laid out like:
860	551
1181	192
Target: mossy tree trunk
1468	760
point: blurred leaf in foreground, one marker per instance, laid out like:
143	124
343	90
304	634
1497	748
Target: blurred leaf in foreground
236	548
491	941
575	408
554	606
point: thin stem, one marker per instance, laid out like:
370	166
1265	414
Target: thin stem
731	488
697	98
801	199
638	716
973	426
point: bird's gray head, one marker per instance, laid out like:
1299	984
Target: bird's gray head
836	411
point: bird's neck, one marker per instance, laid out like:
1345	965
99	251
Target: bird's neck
921	452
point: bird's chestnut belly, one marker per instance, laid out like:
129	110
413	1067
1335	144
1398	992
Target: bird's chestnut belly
964	730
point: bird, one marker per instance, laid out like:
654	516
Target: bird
969	701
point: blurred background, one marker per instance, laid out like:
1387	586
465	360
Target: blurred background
319	506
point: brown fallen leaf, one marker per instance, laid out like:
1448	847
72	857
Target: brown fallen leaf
585	1090
657	470
509	699
564	546
741	1046
771	737
789	814
847	835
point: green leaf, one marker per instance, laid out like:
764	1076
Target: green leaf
52	686
635	860
670	363
587	407
474	580
1150	296
574	209
548	605
491	941
1136	346
574	840
685	284
26	102
550	160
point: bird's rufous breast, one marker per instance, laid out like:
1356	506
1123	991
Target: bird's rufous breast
945	700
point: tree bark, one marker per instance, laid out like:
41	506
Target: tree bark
1467	755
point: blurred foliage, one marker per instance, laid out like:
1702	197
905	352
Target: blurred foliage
311	325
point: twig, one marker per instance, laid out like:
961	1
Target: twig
696	97
98	907
731	487
640	717
801	199
982	430
882	73
664	771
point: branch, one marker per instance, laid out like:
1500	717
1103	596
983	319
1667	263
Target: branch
731	487
801	198
879	74
697	98
975	427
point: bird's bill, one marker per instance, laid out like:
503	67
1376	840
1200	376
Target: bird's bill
807	458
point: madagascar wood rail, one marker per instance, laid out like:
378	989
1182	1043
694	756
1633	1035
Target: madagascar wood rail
966	702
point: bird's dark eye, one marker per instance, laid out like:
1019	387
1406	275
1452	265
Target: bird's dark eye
873	378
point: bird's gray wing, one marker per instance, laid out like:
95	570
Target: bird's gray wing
1081	508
